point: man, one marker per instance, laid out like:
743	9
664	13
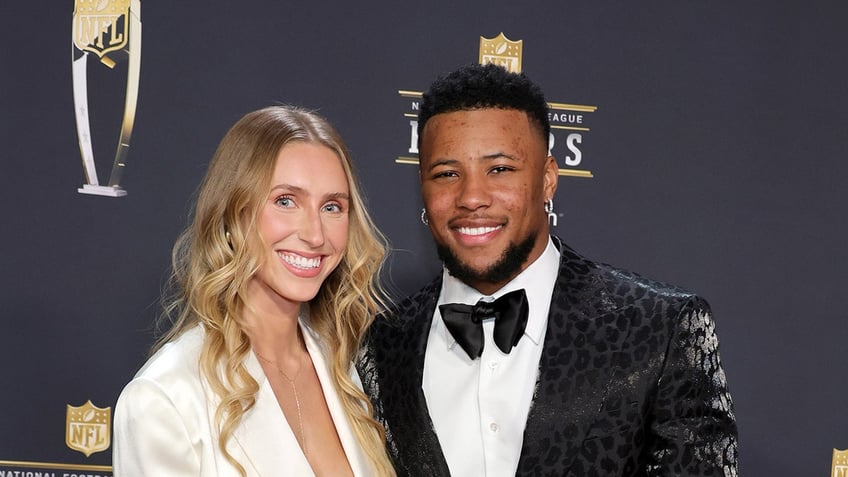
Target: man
585	369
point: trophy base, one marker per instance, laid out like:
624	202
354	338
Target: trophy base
109	191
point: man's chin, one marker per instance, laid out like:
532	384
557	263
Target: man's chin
458	263
501	266
469	271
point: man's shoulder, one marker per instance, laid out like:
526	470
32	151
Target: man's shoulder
622	285
627	281
396	334
413	305
632	288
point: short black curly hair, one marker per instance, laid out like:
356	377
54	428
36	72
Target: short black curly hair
485	86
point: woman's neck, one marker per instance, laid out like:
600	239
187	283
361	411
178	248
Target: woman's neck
271	323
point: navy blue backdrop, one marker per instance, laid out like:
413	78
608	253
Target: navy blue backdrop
717	149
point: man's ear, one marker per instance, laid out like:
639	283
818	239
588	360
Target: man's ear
551	176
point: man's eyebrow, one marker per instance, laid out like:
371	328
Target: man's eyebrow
498	155
442	162
488	157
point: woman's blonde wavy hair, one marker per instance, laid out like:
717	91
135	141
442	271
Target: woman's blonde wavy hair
219	252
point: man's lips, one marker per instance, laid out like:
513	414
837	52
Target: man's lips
473	231
477	231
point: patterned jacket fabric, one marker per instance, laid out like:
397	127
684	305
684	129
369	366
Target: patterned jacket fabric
629	384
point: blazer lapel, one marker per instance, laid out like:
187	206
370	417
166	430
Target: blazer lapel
264	437
354	452
583	336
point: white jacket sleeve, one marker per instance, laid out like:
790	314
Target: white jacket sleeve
151	436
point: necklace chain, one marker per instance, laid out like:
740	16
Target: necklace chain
294	391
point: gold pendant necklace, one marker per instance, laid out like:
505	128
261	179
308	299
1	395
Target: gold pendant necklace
296	397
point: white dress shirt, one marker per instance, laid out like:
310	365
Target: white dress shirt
479	407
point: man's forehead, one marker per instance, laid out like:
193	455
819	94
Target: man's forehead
490	124
479	116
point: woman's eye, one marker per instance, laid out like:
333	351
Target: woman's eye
284	201
336	208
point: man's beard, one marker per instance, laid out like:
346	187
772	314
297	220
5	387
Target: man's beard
508	265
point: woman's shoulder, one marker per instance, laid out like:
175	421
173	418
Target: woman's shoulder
173	370
163	410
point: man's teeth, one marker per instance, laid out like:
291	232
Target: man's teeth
301	262
476	230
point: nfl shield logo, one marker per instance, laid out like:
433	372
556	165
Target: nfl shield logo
501	51
100	26
840	463
87	428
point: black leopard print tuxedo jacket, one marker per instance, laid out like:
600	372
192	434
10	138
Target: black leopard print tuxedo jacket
629	384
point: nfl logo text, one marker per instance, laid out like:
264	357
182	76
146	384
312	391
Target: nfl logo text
87	428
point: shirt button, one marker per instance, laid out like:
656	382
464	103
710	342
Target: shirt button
493	427
493	365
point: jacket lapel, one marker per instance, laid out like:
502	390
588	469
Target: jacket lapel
583	336
264	437
355	455
398	372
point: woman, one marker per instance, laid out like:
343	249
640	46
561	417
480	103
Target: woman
276	282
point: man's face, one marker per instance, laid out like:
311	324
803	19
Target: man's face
485	176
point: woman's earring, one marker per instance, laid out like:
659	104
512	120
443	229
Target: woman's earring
549	209
229	238
424	219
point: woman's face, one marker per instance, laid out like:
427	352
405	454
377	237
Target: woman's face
304	224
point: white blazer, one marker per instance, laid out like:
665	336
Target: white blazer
165	421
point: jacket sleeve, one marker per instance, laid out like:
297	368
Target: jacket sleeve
692	428
150	434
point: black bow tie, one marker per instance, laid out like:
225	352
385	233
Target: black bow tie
465	322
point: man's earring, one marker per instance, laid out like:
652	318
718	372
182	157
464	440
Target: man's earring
549	209
424	219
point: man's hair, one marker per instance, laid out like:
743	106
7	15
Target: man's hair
485	86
